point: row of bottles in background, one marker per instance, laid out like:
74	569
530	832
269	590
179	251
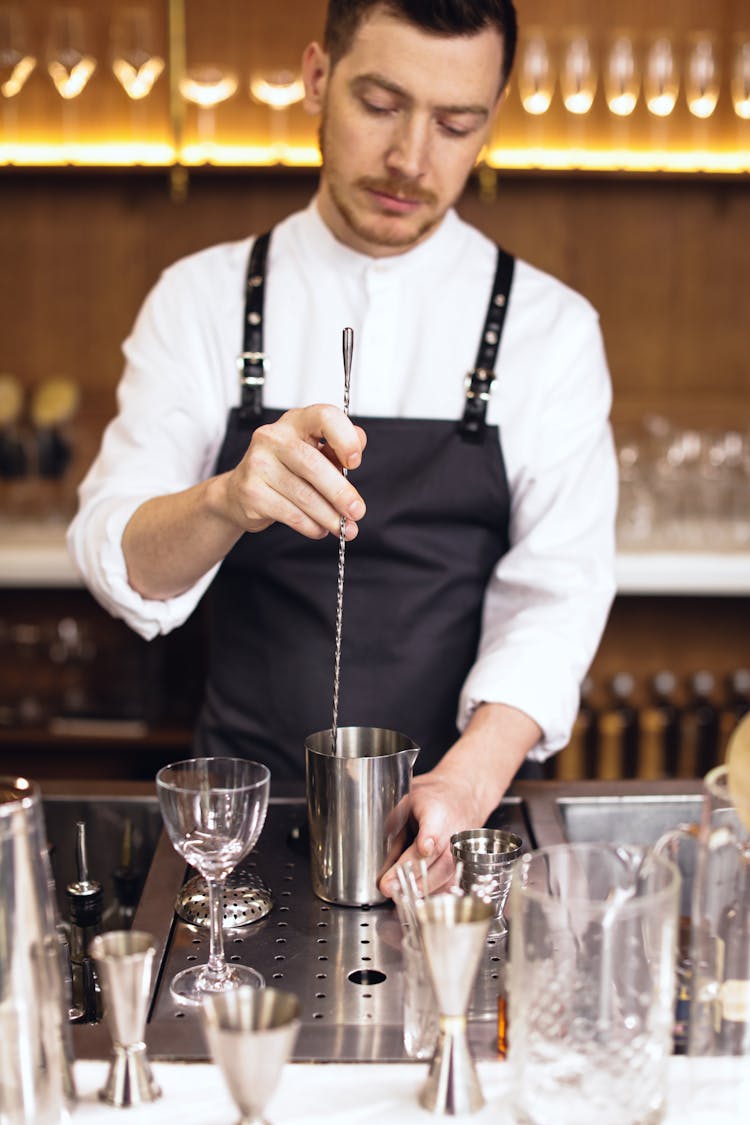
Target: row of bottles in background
37	447
658	728
55	672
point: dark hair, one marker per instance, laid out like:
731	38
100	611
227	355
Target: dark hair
444	17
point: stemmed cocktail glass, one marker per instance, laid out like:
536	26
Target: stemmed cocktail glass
213	810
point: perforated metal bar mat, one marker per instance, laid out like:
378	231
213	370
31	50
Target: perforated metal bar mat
344	963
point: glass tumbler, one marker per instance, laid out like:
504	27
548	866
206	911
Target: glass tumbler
591	984
421	1017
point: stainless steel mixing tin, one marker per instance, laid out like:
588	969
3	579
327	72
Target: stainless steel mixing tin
357	807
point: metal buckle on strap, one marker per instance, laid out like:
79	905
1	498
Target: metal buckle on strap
478	383
256	359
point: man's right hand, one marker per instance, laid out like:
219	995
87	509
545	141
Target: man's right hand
291	474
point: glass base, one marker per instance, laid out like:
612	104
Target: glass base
191	985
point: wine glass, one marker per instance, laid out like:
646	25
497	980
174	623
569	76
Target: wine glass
702	75
207	87
213	810
661	82
69	64
621	79
16	64
741	77
278	90
135	64
577	73
536	79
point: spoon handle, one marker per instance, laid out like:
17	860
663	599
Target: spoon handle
348	349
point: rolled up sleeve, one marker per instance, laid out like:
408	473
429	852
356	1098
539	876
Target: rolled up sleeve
164	438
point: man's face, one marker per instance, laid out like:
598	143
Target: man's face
404	116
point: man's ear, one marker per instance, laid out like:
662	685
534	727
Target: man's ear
316	66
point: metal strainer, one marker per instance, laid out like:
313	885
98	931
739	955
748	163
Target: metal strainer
246	899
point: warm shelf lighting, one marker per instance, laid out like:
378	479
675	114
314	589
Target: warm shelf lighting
115	154
261	155
278	90
727	162
123	154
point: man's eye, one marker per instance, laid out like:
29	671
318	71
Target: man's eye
454	130
376	107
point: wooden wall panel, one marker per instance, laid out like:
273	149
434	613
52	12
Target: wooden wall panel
664	262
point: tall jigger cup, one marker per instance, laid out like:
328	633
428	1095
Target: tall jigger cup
124	960
250	1033
454	929
487	858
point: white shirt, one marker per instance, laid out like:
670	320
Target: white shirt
417	319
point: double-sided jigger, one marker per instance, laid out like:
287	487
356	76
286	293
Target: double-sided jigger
487	856
124	959
453	929
250	1033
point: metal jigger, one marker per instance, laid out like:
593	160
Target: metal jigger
124	959
454	929
250	1033
488	856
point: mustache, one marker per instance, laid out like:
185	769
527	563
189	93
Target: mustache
399	189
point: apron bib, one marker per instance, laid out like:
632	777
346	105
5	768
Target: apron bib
436	524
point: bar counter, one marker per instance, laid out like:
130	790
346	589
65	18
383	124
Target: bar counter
194	1094
349	1064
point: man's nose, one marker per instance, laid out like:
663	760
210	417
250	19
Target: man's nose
408	153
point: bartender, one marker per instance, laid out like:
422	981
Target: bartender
481	489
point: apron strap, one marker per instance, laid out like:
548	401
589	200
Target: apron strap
480	379
251	362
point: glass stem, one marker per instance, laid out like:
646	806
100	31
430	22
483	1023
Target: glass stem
216	969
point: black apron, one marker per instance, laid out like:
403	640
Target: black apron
436	525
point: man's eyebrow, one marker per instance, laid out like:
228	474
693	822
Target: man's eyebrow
384	83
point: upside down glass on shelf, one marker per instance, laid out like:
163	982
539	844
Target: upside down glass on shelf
214	810
135	62
16	61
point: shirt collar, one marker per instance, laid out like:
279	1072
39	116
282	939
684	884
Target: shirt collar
320	241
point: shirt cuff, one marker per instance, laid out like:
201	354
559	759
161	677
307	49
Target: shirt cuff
107	578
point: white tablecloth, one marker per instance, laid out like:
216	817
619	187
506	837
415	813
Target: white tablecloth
314	1094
